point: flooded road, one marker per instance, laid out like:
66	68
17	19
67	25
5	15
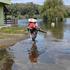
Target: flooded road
51	51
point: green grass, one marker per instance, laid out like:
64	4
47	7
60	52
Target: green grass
10	35
13	30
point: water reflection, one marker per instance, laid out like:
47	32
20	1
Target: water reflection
6	60
33	55
57	31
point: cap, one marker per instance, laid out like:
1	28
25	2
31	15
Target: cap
32	20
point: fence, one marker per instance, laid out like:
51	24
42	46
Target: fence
11	21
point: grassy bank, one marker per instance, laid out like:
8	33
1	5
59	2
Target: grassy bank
10	35
13	30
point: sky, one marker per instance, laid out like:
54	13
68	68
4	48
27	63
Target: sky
66	2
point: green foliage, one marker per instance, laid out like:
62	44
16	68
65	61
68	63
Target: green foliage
27	10
67	7
13	30
53	10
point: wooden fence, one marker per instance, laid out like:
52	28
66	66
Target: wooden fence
11	21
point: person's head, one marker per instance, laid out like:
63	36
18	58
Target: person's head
32	20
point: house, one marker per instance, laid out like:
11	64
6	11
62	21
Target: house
2	5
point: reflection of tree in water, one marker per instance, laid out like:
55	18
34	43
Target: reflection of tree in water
33	55
57	31
6	60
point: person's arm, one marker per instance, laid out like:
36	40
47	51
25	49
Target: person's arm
28	27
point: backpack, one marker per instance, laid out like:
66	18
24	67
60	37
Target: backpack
32	25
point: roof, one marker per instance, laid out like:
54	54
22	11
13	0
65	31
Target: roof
6	10
5	1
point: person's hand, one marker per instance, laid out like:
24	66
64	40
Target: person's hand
28	29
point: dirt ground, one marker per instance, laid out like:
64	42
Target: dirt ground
11	39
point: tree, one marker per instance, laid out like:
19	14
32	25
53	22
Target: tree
53	10
28	9
67	7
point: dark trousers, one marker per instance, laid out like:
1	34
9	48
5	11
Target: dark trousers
33	33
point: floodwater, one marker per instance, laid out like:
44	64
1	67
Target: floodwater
51	51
